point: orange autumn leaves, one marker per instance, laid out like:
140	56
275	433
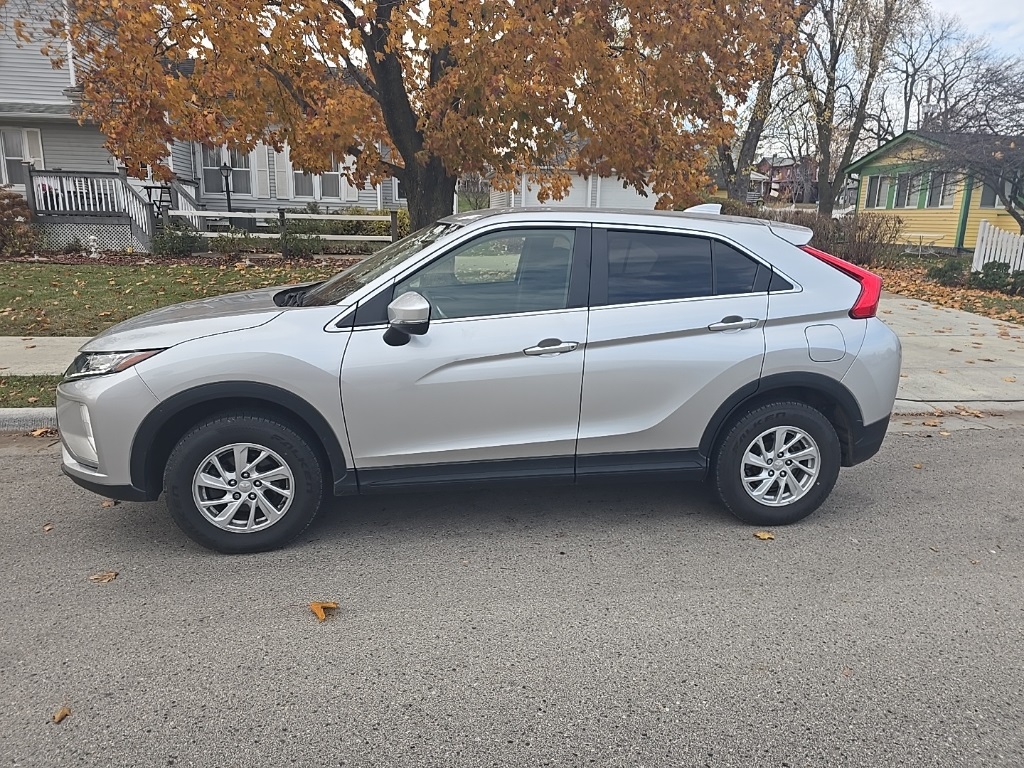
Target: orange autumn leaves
445	88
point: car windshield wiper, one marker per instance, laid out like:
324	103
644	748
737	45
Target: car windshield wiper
293	297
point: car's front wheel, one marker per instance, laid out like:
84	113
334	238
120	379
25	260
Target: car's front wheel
243	482
777	463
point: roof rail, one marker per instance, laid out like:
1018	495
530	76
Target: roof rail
705	208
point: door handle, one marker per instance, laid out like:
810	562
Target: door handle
734	323
551	347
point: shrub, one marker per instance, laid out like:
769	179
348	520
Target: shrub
1016	285
994	276
233	242
952	272
16	233
177	241
300	247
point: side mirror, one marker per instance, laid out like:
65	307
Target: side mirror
408	315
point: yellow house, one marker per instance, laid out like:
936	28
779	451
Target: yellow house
941	209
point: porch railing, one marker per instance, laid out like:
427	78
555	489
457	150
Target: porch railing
88	194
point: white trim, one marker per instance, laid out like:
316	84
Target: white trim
599	185
380	196
27	155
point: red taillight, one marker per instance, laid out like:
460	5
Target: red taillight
870	283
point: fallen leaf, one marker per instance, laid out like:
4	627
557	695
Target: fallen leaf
764	535
61	713
44	432
30	346
918	466
953	349
940	370
975	562
904	376
108	503
847	672
1010	379
33	400
987	359
931	423
48	527
321	608
103	577
944	434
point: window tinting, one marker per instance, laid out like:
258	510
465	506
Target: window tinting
734	272
643	266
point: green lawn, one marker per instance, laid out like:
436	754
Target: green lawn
82	300
27	391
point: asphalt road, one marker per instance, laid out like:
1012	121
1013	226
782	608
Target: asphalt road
611	626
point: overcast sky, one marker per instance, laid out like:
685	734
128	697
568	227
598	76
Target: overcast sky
1001	20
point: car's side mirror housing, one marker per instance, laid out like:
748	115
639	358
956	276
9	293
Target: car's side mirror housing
408	315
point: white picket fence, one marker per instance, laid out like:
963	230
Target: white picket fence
996	244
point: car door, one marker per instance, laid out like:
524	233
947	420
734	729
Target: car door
493	387
676	327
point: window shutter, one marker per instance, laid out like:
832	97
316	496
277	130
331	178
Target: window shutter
261	164
349	191
283	174
34	147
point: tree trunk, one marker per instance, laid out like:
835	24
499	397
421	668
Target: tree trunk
430	192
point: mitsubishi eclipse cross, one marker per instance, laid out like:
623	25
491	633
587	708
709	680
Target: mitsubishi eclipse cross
529	344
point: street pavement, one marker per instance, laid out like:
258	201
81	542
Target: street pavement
609	625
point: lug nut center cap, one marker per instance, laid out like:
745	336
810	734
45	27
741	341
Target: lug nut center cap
245	485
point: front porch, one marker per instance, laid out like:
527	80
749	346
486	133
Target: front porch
102	211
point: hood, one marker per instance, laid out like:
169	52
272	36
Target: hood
176	323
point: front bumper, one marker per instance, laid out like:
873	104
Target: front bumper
97	418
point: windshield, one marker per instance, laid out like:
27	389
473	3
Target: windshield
344	283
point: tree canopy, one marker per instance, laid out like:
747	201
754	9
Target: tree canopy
428	90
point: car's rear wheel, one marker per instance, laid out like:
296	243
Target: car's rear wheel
777	463
243	482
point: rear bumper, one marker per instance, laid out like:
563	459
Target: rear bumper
865	442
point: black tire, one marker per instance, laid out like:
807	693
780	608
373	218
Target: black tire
728	462
263	430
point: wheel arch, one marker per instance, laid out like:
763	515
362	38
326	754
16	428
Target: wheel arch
166	424
824	393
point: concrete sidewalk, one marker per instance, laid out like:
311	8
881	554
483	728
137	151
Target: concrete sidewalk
950	358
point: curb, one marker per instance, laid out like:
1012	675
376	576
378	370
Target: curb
24	419
950	407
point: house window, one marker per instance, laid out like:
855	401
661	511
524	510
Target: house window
214	158
302	184
878	192
908	187
398	189
941	188
330	182
989	198
12	150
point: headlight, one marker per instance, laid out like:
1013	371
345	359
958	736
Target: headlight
99	363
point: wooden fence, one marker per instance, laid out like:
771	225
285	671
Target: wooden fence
281	218
996	244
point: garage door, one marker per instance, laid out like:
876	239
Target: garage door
612	195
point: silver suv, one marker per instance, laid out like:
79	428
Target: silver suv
495	346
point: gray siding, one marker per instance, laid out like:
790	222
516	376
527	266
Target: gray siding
367	195
73	147
26	76
183	160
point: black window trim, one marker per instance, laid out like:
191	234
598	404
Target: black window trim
599	266
372	311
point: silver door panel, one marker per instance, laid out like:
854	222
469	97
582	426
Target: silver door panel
465	391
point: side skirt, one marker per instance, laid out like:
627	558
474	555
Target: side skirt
647	465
